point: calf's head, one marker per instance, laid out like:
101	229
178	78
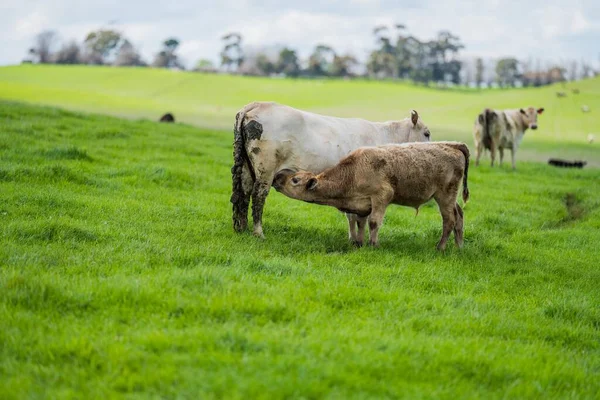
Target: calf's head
529	116
297	185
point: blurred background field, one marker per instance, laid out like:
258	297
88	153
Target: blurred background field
211	101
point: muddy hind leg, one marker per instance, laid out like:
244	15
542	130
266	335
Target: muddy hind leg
447	209
459	226
240	208
259	196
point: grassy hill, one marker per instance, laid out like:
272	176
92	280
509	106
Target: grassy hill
120	274
211	101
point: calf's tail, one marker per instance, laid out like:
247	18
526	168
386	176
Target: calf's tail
465	150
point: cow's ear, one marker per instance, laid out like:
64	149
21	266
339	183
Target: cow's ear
523	111
311	184
481	121
540	110
414	117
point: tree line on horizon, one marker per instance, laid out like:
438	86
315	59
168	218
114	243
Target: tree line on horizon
397	55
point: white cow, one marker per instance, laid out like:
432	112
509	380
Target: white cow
269	137
496	130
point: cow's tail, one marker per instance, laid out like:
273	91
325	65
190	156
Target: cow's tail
465	150
240	157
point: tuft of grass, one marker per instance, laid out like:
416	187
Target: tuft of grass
69	153
122	277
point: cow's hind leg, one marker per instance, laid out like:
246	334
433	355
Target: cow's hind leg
259	196
501	151
459	226
242	201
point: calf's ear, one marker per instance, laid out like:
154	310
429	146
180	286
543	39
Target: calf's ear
414	117
540	110
311	184
523	111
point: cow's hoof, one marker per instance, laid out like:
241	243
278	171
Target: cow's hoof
259	235
356	243
374	245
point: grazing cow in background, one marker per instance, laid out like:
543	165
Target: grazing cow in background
168	117
370	178
269	137
561	94
503	129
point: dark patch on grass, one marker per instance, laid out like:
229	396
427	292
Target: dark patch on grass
238	344
574	206
69	153
55	232
574	315
112	134
186	261
36	296
269	267
46	174
163	177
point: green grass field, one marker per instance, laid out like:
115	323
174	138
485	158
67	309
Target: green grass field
211	101
121	276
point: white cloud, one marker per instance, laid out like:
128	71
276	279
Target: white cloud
487	27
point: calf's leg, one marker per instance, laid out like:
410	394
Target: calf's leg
378	207
351	227
501	151
447	210
361	222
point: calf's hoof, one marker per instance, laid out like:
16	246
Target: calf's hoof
356	243
374	244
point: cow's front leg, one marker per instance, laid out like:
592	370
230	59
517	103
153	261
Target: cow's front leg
501	152
493	152
513	153
479	152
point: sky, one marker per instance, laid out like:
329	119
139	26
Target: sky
551	30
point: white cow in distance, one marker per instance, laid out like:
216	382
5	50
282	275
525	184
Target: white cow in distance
269	137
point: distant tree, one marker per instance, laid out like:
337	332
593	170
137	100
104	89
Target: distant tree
264	64
342	65
127	55
321	60
232	54
69	53
507	71
43	45
573	70
586	70
479	70
204	65
288	62
101	45
166	58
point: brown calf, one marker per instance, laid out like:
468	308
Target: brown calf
370	178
